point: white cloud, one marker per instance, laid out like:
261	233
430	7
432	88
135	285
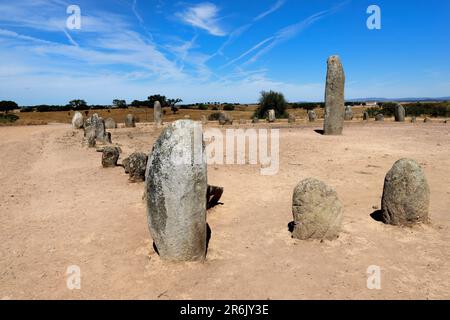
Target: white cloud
203	16
277	5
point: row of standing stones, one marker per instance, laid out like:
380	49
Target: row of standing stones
175	191
176	209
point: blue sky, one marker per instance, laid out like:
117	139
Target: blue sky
224	50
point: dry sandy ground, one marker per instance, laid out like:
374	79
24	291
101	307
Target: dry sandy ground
58	208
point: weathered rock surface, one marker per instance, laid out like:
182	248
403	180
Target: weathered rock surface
130	121
312	116
225	118
379	117
77	120
366	116
334	97
406	194
291	118
110	156
110	124
413	119
317	211
271	116
135	165
157	111
348	114
176	188
399	113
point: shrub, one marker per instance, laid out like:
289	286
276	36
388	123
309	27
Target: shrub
202	106
215	116
271	100
215	108
8	118
229	107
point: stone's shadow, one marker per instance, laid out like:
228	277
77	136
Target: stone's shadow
377	215
213	196
291	226
208	238
320	131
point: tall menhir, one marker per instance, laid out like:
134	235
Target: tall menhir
334	97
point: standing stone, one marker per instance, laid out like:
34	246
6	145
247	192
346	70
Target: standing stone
426	120
157	111
379	117
413	119
94	128
348	113
291	118
406	194
204	120
225	118
110	157
135	165
334	97
312	116
130	121
399	113
110	124
176	188
255	120
91	143
77	120
317	211
366	116
271	115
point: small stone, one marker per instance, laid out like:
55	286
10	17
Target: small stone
255	120
312	116
110	123
317	211
130	121
77	120
406	194
291	118
157	110
399	113
379	117
271	115
366	116
413	119
110	156
135	165
225	118
348	113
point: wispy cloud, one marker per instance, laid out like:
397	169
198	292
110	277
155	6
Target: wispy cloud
283	35
277	5
234	35
203	16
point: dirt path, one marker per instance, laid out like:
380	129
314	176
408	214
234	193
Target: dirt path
58	208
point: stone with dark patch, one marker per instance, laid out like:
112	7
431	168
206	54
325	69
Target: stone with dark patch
110	156
176	188
135	165
399	113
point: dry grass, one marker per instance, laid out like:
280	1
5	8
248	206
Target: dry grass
146	115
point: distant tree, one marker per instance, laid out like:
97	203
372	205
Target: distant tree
121	104
157	97
272	100
6	106
172	103
78	104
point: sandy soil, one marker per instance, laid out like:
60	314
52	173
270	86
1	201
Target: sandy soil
58	208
